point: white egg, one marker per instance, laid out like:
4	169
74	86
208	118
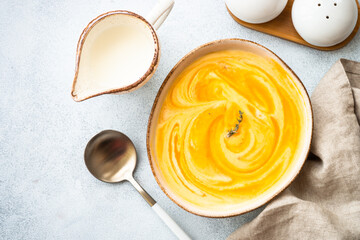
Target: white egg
256	11
324	23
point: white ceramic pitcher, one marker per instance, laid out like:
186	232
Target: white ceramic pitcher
118	52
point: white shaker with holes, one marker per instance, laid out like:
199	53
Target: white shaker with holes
324	23
256	11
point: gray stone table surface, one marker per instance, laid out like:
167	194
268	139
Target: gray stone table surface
45	190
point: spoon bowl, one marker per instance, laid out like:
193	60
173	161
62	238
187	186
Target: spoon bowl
110	156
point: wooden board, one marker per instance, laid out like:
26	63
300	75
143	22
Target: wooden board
283	27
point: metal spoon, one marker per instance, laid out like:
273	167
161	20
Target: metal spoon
111	157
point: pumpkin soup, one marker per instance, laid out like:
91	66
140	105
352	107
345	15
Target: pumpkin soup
230	126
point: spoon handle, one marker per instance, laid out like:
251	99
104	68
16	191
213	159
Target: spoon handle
160	212
170	222
142	192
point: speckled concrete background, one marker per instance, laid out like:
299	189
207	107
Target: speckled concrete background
45	189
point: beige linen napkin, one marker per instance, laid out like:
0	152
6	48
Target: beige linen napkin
324	200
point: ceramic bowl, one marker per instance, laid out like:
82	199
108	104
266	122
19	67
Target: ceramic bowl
226	44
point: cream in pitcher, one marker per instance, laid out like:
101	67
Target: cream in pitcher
118	52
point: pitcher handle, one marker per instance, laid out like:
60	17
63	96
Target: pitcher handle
159	13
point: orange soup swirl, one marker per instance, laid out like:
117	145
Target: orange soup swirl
199	159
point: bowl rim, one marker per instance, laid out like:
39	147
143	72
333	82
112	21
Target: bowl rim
273	195
134	85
